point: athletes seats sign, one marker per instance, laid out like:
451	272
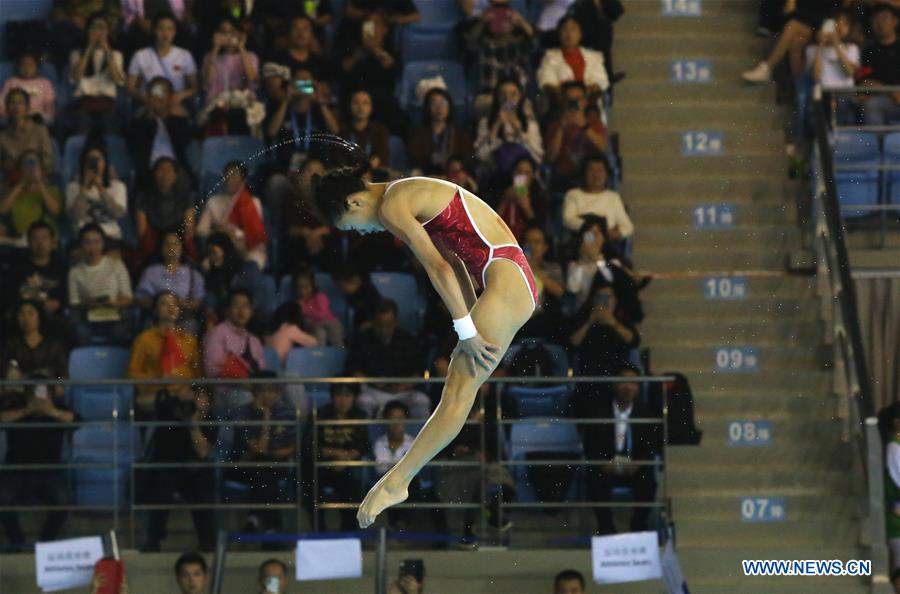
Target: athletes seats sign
630	557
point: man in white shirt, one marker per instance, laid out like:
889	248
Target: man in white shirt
594	199
166	60
394	444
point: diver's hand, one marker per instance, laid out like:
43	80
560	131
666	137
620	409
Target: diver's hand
478	352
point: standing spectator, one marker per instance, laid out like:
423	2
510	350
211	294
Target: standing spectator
287	331
547	321
167	202
265	443
524	201
221	268
22	133
504	41
301	54
568	581
163	351
431	144
97	72
164	59
230	350
338	443
35	198
384	350
191	573
881	67
622	443
833	62
592	198
599	336
572	63
31	354
316	308
596	18
272	577
238	214
230	74
510	130
95	195
172	274
99	291
574	136
42	96
370	135
161	131
40	276
189	444
361	295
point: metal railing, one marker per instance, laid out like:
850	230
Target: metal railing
130	505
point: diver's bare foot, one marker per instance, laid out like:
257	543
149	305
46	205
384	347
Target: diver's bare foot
382	496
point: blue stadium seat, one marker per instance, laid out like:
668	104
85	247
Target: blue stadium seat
438	11
892	157
6	69
557	353
401	288
397	148
452	73
98	402
317	362
217	151
550	401
429	42
116	151
115	448
856	187
25	10
545	437
271	360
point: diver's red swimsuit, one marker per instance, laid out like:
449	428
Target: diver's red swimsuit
456	230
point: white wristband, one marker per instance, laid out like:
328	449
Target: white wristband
465	327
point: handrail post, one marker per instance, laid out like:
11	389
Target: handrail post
219	563
381	574
875	476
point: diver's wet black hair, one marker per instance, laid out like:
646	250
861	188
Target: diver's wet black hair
330	191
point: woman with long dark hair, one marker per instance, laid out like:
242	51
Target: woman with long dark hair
455	236
509	132
220	267
97	72
431	144
95	195
171	273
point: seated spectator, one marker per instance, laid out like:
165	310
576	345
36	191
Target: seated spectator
272	577
571	62
173	274
221	268
167	202
32	354
302	53
623	444
597	259
275	14
552	13
524	202
431	144
573	137
42	96
881	67
341	444
35	198
164	59
805	18
599	335
592	198
510	130
361	295
191	573
230	350
161	131
140	19
833	62
96	196
188	444
237	213
568	581
596	18
369	63
265	443
96	70
21	134
384	350
316	308
406	584
304	237
39	276
163	351
503	40
230	74
287	331
456	173
370	135
547	321
99	291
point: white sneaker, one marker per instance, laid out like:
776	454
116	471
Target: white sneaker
759	74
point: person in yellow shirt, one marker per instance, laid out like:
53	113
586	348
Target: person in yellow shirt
163	351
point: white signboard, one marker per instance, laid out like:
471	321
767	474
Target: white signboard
64	564
329	559
629	557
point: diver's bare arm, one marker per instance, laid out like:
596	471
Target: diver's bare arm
465	281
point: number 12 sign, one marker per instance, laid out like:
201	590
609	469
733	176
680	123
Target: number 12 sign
702	143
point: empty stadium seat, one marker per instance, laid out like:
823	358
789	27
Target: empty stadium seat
317	362
401	288
429	42
113	450
116	153
892	158
543	436
438	11
218	151
540	401
25	10
856	186
397	149
98	402
271	361
451	72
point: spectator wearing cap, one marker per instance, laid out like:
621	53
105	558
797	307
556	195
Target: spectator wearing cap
164	59
881	67
431	144
568	581
593	198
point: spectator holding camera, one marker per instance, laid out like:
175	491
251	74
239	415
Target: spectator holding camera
97	71
34	198
592	198
302	53
162	130
22	133
509	132
230	73
881	67
172	273
95	195
571	63
574	136
186	441
833	61
163	350
524	202
164	59
600	335
431	144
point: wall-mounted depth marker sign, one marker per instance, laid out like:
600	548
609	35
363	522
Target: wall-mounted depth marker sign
681	8
702	143
725	287
714	216
692	71
763	509
749	433
736	360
